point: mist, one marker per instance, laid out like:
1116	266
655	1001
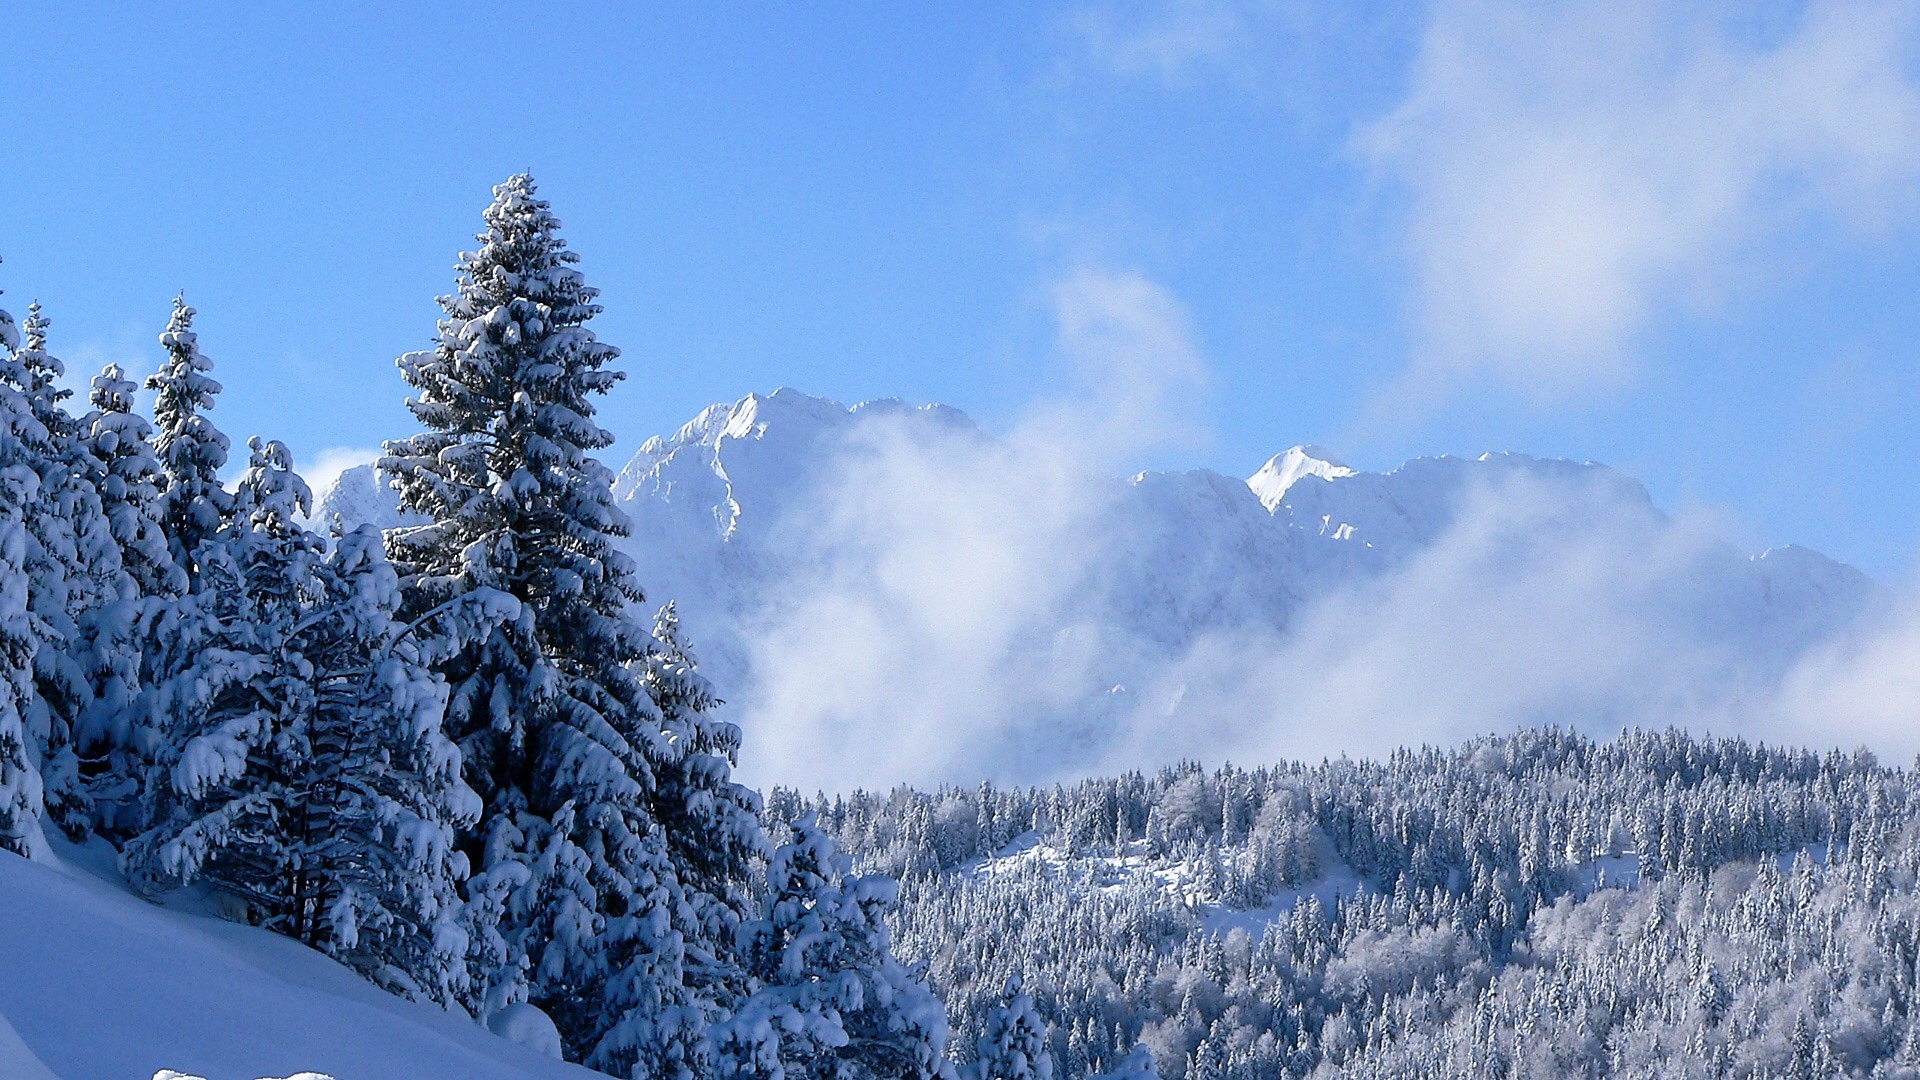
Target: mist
957	606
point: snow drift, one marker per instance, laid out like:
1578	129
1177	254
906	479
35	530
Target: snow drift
99	984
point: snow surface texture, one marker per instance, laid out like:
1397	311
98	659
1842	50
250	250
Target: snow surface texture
204	997
889	576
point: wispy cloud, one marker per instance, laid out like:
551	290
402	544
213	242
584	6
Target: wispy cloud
1541	603
939	566
1166	39
945	625
1578	170
957	605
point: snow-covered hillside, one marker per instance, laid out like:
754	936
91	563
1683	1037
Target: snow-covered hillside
840	567
1531	905
99	983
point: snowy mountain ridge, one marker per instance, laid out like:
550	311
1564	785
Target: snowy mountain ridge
1277	477
948	548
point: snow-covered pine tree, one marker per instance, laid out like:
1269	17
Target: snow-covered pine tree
73	567
20	791
371	814
193	504
124	471
127	476
712	824
554	724
827	1000
232	742
1014	1044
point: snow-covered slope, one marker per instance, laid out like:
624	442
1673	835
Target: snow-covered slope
95	983
817	548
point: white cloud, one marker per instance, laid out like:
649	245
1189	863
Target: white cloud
943	616
939	566
1541	603
1576	169
1166	39
943	631
1129	344
1860	689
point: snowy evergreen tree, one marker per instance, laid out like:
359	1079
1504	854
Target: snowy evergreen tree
120	656
217	793
21	800
554	722
193	504
127	477
827	999
9	331
372	813
712	824
73	567
1014	1044
305	775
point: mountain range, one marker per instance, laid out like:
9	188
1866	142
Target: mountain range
886	567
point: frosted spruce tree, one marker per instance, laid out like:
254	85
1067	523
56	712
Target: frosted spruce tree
230	717
125	472
1014	1044
712	824
552	717
827	1000
9	331
193	504
127	476
373	811
20	790
210	608
303	774
73	567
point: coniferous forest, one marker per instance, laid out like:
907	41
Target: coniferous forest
470	759
456	757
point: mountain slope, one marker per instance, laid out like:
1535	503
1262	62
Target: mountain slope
99	983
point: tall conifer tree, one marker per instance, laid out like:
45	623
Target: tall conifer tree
127	476
373	811
21	798
827	999
230	719
192	451
554	722
712	824
125	473
73	567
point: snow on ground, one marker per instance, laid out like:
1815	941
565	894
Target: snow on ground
17	1062
1336	880
1607	872
1027	854
96	983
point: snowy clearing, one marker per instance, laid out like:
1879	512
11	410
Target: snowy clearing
102	984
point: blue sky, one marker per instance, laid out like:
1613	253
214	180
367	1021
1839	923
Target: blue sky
1679	238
